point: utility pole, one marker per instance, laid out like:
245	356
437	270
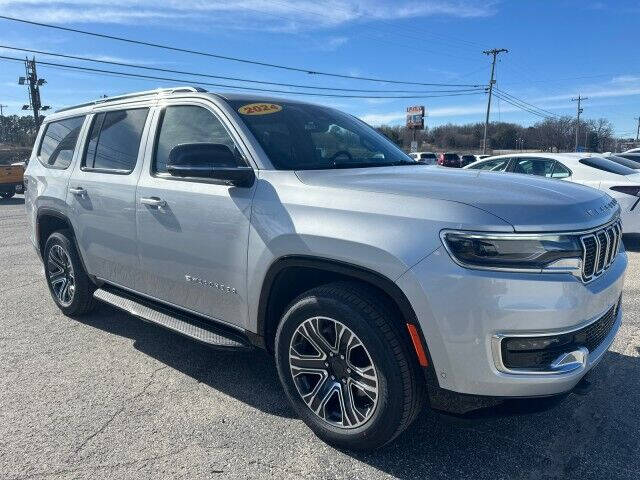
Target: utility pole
637	131
33	84
579	99
2	121
495	53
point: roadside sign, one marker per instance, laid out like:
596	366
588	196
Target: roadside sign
415	117
414	146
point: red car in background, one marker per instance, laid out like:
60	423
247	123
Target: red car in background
449	160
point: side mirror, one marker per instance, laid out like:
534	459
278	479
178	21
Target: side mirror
208	160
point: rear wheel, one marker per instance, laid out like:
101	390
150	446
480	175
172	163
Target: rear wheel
345	367
68	282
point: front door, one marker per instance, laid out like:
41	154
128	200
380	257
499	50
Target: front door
101	195
193	233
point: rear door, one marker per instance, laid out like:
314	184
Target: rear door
102	193
193	232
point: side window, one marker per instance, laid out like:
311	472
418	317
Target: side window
498	165
541	167
59	142
114	140
188	124
560	171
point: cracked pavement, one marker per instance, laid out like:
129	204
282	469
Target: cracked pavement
111	397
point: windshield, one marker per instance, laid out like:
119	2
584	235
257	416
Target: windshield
299	136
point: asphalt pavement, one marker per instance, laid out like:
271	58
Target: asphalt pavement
111	397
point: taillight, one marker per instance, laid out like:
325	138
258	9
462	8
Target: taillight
629	190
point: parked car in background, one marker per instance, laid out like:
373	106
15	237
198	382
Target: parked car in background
449	159
11	179
613	176
633	150
467	159
23	165
428	158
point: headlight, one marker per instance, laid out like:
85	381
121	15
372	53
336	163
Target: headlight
513	251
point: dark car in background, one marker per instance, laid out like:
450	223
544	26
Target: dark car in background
467	159
449	159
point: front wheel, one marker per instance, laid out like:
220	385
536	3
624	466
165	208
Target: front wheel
346	368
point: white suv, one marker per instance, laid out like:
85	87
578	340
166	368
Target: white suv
247	222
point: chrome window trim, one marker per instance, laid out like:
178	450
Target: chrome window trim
592	357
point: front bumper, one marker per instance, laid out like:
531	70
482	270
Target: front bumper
463	313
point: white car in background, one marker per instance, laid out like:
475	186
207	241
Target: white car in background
608	174
428	158
633	150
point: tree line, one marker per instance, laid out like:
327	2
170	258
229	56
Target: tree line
17	130
553	134
550	134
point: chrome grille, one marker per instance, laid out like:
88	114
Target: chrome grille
599	250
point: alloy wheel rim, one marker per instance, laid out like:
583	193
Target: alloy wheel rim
333	372
61	275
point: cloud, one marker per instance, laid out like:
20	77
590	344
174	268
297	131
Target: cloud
270	15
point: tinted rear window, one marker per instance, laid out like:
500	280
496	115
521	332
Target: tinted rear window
607	165
114	140
451	156
59	142
620	160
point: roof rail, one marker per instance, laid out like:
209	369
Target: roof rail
156	92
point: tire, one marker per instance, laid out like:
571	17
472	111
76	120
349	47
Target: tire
378	358
6	195
63	269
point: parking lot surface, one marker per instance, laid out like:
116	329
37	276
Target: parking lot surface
108	396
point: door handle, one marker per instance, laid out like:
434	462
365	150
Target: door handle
79	191
153	202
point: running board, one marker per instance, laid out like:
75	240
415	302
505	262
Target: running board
178	322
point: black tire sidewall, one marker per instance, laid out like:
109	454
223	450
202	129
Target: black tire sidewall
83	292
384	423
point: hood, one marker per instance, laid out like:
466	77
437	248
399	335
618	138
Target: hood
530	204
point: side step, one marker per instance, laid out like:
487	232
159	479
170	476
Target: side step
178	322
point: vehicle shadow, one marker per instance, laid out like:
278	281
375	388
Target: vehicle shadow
12	201
573	436
587	436
631	242
249	376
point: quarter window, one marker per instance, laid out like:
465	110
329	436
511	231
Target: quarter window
59	142
114	140
540	167
188	124
499	165
560	171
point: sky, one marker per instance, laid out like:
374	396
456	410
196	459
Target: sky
557	50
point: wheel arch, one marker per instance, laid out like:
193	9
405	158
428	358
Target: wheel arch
49	220
306	272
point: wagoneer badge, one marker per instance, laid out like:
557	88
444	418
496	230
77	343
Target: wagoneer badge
206	283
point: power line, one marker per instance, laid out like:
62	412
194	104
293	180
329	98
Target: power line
226	57
206	75
516	99
521	107
222	85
